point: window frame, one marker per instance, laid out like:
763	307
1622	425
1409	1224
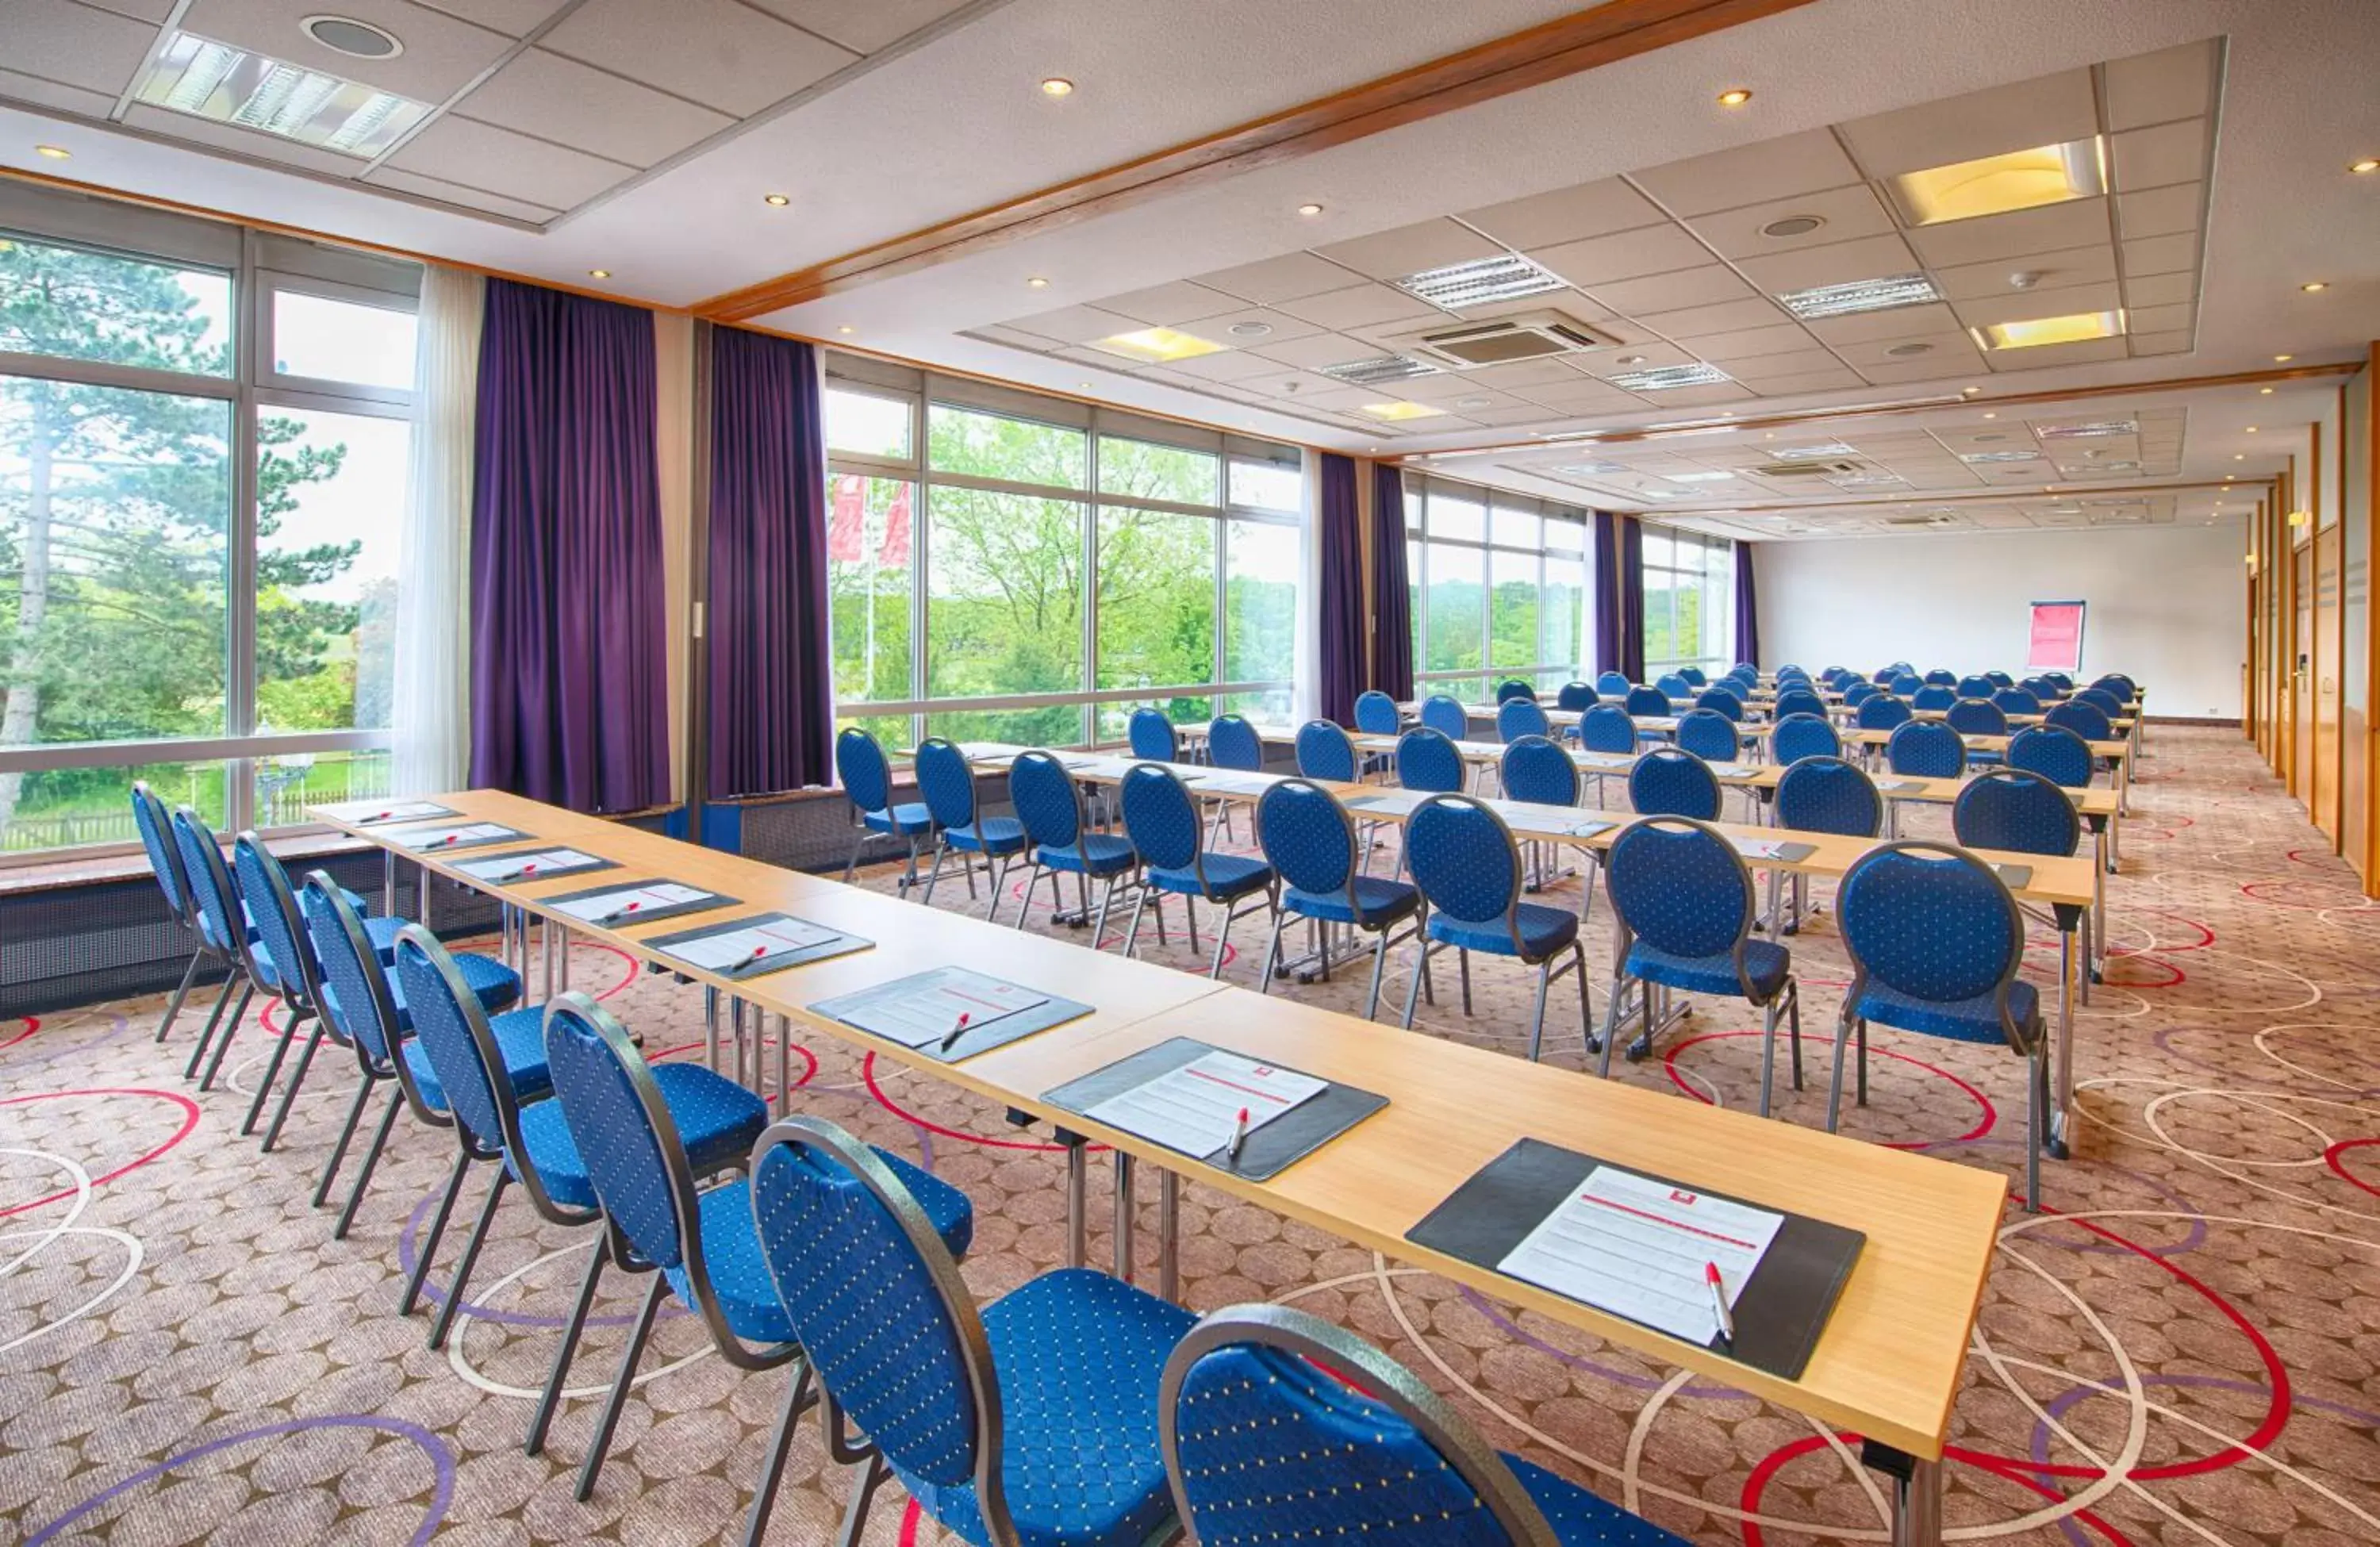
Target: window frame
1699	575
1419	490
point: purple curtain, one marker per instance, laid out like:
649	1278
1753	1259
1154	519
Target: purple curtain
569	680
771	683
1607	650
1747	607
1632	597
1392	661
1343	590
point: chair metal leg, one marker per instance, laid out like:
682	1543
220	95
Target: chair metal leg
999	885
550	1398
1793	1025
372	1159
346	1137
1380	963
851	865
1272	951
296	1079
174	1006
271	1071
1131	929
1768	1057
229	1033
772	1463
1585	1007
1190	912
1223	941
1100	926
1023	904
863	1495
1537	1024
942	847
593	1466
1611	1021
430	1241
1462	966
470	1258
1862	1061
1835	1093
214	1020
1421	965
2037	1116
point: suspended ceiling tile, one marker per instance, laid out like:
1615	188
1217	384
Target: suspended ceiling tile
2162	319
1945	351
2154	157
1567	214
2078	265
456	193
2019	306
1784	340
249	142
1582	395
2174	254
2046	110
440	56
2040	356
74	46
1699	396
1013	337
2162	343
1166	305
1628	255
1301	385
1702	320
1796	362
1408	249
1523	375
2158	88
1076	324
863	26
2019	234
1899	321
558	99
1706	285
1834	264
716	52
2161	211
2161	289
1520	413
1358	306
1230	366
1846	214
1342	400
1752	174
481	155
51	94
1279	327
140	10
1288	277
1828	380
1620	362
514	19
1314	350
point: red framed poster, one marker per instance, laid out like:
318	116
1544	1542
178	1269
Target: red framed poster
2056	642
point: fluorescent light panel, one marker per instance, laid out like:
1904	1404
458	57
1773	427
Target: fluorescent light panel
228	85
1860	295
1507	277
1157	346
1379	369
1396	411
1663	378
2079	432
1996	184
2075	328
1999	457
1698	477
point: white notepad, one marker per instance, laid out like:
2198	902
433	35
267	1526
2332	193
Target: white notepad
521	867
716	953
1194	1108
368	812
447	837
929	1009
1761	848
623	906
1637	1247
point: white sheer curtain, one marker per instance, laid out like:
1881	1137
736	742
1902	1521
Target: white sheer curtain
1306	689
433	708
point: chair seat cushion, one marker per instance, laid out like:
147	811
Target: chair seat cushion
1966	1020
1090	853
520	1037
1765	963
1079	1356
991	835
900	821
1543	931
718	1119
493	984
1581	1517
1229	876
1379	901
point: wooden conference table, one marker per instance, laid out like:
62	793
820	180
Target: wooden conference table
1887	1366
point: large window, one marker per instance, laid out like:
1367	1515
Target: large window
1689	601
1011	567
1499	587
203	444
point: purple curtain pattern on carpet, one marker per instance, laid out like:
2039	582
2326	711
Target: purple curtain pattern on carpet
771	684
1341	608
1606	581
1392	661
1632	597
1747	607
569	674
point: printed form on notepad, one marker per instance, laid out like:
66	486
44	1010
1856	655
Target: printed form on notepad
443	837
1194	1108
518	867
403	811
1637	1247
930	1011
716	953
623	906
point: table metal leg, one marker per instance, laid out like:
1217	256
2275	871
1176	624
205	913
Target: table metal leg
1077	1181
388	883
562	951
785	1065
2061	1115
1914	1493
545	953
1125	1213
1169	1237
736	1006
710	1028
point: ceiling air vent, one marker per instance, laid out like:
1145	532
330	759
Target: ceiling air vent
2085	431
1503	340
1379	369
1805	469
1934	520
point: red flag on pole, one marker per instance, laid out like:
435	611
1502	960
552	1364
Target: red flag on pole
845	528
895	551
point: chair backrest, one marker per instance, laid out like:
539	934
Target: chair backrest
877	1303
1799	701
2086	720
156	826
1804	736
1906	683
1745	669
1513	688
2054	752
1464	858
1324	751
273	909
1612	684
1233	742
2065	682
1977	717
1673	686
1278	1426
1574	697
1977	686
2016	701
623	1131
1942	676
1046	799
365	1014
861	764
1679	887
1446	715
1932	922
1721	700
1883	711
1642	699
1824	794
1308	838
1518	717
1537	769
454	1031
1793	678
2016	808
213	892
1708	733
2117	684
1858	693
946	781
2000	680
1607	728
1925	749
1670	781
1428	761
1152	736
1375	713
1159	817
2040	688
2102	700
1933	695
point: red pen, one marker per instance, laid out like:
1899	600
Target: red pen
1719	1301
956	1032
1239	1137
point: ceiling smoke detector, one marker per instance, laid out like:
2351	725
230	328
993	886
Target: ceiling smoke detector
358	40
1792	225
1250	330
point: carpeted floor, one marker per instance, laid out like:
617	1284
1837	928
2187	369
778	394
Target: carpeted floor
2182	1351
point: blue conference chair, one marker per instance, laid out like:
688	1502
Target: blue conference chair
1649	703
866	777
1978	717
2016	701
1821	794
1796	736
1932	697
1163	825
1858	693
2104	702
1446	715
1673	686
1426	761
1977	686
2086	720
2018	810
1670	781
1925	749
155	824
1464	858
1694	676
1744	669
1280	1427
1233	742
1935	940
1884	712
1941	677
1608	729
223	927
1574	697
2041	687
1540	771
1376	715
1612	684
2118	684
2000	679
1707	735
1720	699
1799	701
2054	752
1152	736
1324	751
2065	683
1513	688
1684	901
1031	1423
947	781
1905	684
1310	841
1518	717
1050	807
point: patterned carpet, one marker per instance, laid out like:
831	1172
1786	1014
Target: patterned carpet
2184	1352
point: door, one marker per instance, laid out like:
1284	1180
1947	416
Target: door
2300	690
2328	638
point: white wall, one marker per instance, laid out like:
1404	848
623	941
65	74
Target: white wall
2167	604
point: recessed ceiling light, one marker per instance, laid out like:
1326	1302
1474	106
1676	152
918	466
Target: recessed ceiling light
2264	391
1996	184
55	152
2037	331
2367	165
598	274
1662	378
1793	225
1309	210
1037	283
1057	86
231	85
1969	392
2252	429
2314	286
1507	277
846	328
1860	295
344	34
1393	411
2283	360
2238	457
1734	96
1157	346
778	201
1085	386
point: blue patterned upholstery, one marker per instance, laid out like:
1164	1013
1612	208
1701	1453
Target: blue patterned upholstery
1976	717
1925	749
210	885
1534	932
1859	693
1883	711
2106	702
1428	761
2015	810
1233	742
903	821
1160	818
737	1270
2040	688
1375	713
1047	802
1574	697
1324	751
1977	686
444	1054
1513	688
1693	674
1536	770
1707	735
2016	701
1607	728
2000	679
1765	969
1671	686
1824	794
2123	686
1798	700
1612	684
1098	855
1152	736
1220	878
1445	714
149	814
2065	683
271	910
627	1158
1804	736
1311	843
1518	717
1721	700
1975	1019
716	1118
1462	858
1643	702
493	984
1942	676
867	776
1936	939
359	999
1372	901
2054	752
1905	684
1679	888
2085	720
1667	781
1934	697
